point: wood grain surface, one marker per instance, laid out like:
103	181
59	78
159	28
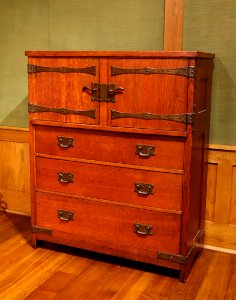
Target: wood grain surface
173	26
219	200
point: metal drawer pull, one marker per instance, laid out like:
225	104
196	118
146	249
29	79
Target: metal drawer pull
143	229
65	215
143	188
65	142
65	177
145	150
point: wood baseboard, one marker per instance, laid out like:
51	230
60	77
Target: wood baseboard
220	237
221	191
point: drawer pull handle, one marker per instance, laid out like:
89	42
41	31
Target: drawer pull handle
65	215
65	177
65	142
143	188
145	150
143	229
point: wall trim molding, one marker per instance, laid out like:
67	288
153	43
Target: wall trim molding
222	147
14	134
173	25
219	249
15	212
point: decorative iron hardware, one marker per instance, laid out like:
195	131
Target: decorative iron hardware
65	177
65	215
92	91
188	72
37	69
37	229
181	118
65	142
143	188
145	150
190	118
115	91
175	258
172	257
103	92
33	108
143	229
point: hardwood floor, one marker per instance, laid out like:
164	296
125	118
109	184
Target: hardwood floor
59	272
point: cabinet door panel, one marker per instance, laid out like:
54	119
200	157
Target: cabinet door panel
148	92
59	87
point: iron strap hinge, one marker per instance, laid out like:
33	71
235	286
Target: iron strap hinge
188	71
190	118
103	92
179	259
42	69
33	108
186	118
37	229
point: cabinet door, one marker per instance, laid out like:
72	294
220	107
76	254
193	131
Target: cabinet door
56	89
154	93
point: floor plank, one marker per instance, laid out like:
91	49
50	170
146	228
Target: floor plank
218	278
58	272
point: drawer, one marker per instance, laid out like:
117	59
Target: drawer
162	152
162	190
93	220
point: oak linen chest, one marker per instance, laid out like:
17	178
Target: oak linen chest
118	144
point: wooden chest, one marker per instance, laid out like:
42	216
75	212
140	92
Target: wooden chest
118	149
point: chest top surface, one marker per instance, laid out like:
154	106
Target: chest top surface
157	54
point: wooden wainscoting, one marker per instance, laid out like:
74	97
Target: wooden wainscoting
14	170
221	196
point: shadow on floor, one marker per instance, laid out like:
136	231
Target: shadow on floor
23	225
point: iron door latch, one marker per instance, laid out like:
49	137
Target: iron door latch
103	92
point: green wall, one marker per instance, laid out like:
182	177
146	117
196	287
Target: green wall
211	26
68	25
115	25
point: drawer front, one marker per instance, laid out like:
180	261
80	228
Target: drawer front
133	186
161	152
92	220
